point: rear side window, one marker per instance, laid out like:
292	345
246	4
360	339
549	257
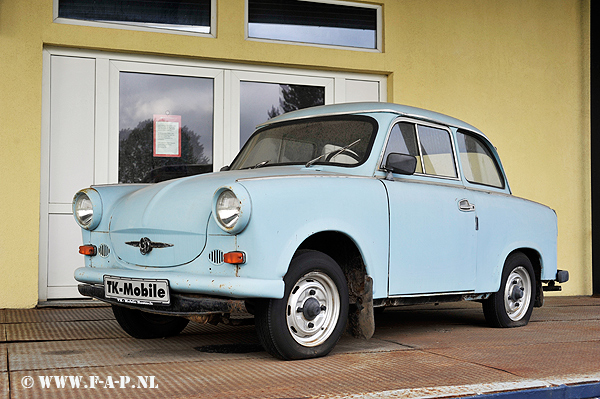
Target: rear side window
478	163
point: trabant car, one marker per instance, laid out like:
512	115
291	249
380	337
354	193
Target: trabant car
325	215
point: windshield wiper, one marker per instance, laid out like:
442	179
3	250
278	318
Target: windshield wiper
260	164
335	152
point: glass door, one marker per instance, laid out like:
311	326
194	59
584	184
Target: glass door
165	116
165	126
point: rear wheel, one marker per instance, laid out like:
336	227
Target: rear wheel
311	317
143	325
513	304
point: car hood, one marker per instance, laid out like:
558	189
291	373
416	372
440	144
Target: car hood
174	216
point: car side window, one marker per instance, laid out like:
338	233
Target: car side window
403	140
436	151
478	163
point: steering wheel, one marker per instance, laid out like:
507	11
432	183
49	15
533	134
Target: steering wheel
346	151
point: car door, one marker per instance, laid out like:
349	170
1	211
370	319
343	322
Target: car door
432	216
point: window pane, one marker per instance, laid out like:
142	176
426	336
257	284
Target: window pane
260	102
313	22
142	97
436	149
403	140
298	142
189	15
477	161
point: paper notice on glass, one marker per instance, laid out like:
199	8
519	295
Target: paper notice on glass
167	135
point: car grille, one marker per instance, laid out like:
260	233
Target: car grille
103	250
216	256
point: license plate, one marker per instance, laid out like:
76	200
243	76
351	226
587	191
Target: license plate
137	291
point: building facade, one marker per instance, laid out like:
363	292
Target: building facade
80	87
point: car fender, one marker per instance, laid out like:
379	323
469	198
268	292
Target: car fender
285	212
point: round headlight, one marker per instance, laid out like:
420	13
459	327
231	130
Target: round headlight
84	210
228	209
87	208
231	208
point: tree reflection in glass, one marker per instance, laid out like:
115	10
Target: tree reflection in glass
262	101
144	95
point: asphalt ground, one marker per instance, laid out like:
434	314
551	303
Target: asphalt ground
422	351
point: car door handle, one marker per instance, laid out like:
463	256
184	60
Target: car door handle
465	206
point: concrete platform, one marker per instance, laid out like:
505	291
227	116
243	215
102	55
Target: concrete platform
417	352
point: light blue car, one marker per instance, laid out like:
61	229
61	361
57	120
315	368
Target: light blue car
326	214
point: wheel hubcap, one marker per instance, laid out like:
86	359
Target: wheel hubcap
517	293
313	309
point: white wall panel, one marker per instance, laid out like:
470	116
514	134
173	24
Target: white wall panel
72	99
63	250
362	90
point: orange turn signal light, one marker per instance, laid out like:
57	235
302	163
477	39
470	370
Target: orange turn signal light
89	250
235	258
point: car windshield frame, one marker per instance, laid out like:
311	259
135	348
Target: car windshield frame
323	133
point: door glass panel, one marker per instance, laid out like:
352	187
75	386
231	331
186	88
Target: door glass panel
403	140
260	102
436	148
165	126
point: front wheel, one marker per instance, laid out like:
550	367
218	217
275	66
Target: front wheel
144	325
513	304
311	317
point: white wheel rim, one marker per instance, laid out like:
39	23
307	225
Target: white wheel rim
517	293
313	309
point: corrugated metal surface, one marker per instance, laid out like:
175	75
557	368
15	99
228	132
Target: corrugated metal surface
269	378
46	315
4	387
124	351
533	360
3	357
417	352
430	330
51	331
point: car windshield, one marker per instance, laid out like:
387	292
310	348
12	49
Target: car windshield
343	141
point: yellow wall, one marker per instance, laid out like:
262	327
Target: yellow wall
516	69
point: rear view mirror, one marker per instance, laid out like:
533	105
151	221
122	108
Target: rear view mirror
403	164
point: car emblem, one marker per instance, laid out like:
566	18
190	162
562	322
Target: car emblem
146	245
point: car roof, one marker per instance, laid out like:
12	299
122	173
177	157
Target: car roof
372	107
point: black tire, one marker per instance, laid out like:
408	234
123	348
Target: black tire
513	304
312	315
145	325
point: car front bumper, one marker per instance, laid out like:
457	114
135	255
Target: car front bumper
188	283
181	305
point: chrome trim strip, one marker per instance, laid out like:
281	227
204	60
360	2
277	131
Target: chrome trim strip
303	176
366	112
449	183
432	294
